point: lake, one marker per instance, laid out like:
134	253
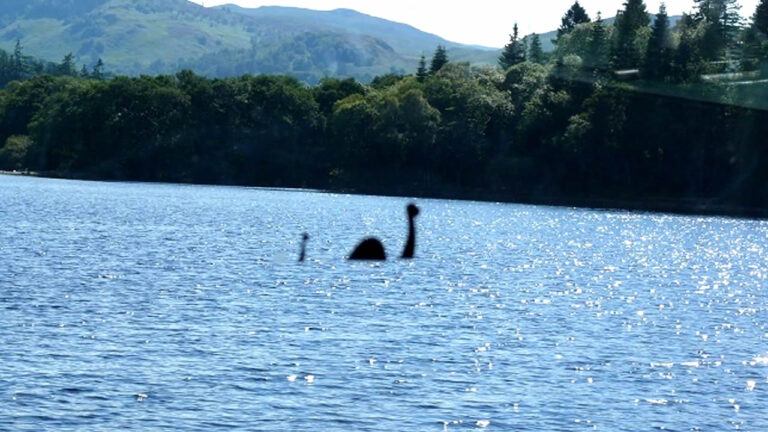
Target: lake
127	306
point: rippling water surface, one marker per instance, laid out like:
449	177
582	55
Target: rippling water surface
156	307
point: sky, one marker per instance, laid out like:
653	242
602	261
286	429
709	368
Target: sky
475	22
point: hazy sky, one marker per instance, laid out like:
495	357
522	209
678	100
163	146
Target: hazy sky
481	22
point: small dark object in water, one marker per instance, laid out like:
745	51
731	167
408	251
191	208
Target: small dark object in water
303	254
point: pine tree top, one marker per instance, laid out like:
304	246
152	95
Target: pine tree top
575	15
760	18
439	60
514	52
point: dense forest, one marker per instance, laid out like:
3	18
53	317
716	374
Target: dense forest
636	114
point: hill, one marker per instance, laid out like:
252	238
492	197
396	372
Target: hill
162	36
405	39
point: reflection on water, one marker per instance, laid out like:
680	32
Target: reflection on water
127	306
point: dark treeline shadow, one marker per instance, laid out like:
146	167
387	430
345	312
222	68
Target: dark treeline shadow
531	133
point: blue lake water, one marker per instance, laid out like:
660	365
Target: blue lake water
169	307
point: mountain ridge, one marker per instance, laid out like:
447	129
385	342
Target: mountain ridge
161	36
357	22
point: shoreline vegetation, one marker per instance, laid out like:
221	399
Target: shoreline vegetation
630	115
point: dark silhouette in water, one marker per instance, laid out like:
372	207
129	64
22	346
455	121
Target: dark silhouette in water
303	254
371	249
410	245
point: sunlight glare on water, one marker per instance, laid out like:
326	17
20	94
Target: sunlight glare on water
150	306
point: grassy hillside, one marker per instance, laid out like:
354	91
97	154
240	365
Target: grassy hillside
162	36
130	35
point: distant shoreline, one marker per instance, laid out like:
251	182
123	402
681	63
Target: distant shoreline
20	173
650	205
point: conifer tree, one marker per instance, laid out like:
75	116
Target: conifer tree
98	70
67	66
514	52
722	21
657	57
5	68
535	52
421	72
576	15
760	18
686	64
439	60
597	54
18	60
628	22
755	39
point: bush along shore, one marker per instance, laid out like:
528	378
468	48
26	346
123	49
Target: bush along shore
671	131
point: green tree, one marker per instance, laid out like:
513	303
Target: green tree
385	131
755	40
760	18
629	24
574	16
6	66
279	115
98	70
332	90
721	24
523	82
351	129
599	45
386	80
67	66
590	43
657	56
475	115
18	60
417	123
535	52
514	52
23	100
421	72
13	156
687	64
439	60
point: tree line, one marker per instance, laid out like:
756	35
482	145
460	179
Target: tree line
565	129
712	39
17	66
